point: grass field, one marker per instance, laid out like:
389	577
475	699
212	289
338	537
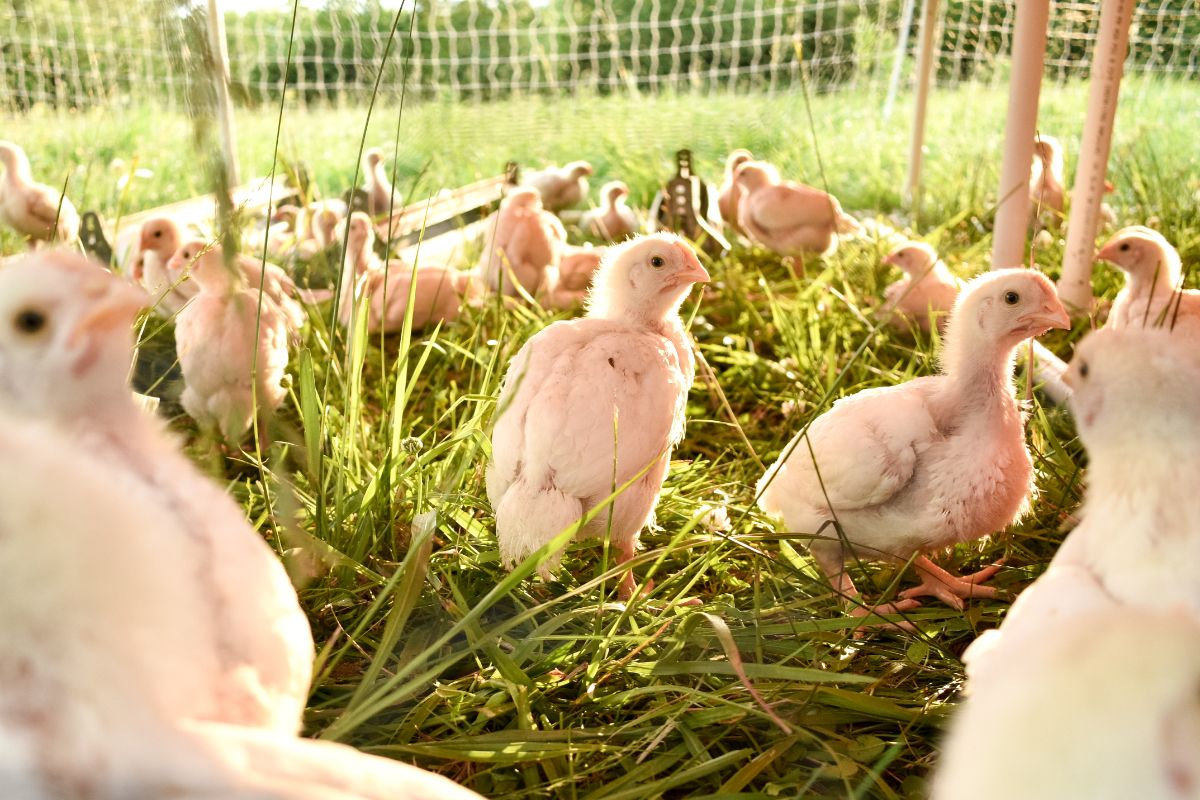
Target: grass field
432	652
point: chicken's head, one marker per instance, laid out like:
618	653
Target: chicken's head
1143	254
645	279
66	334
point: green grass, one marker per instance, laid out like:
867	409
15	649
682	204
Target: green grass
431	652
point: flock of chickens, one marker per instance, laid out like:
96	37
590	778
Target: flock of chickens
216	669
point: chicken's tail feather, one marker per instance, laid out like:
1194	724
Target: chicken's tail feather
528	517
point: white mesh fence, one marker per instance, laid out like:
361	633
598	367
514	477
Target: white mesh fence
79	53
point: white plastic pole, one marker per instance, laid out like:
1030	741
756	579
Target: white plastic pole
220	53
906	16
1108	64
924	73
1025	87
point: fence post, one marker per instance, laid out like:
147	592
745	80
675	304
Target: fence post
929	14
1025	87
220	53
1108	64
906	16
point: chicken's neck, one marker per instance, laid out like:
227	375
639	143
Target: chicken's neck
981	377
17	172
1156	285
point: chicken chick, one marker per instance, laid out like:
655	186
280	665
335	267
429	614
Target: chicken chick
1153	295
1047	180
36	211
381	197
789	218
1103	706
628	363
66	343
1136	401
730	192
437	296
522	247
561	187
925	294
937	460
614	220
232	344
159	240
275	284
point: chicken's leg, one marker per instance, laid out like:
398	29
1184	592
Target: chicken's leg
951	589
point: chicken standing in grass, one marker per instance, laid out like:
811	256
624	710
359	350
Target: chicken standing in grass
232	343
1136	401
438	294
382	198
789	218
1153	294
627	364
561	187
925	294
1047	180
66	342
730	192
575	272
614	220
578	265
522	247
36	211
1103	707
169	290
276	285
937	460
113	674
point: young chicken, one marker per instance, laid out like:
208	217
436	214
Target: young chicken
36	211
627	363
1103	706
1047	180
66	344
522	246
937	460
232	344
925	294
276	285
114	678
1153	295
730	192
613	220
381	197
159	240
1136	402
788	218
438	294
578	265
560	187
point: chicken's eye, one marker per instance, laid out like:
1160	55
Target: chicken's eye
158	234
29	321
1012	298
1124	247
1083	370
657	262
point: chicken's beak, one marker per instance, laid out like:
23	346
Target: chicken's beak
694	272
890	260
119	306
1107	252
1051	315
